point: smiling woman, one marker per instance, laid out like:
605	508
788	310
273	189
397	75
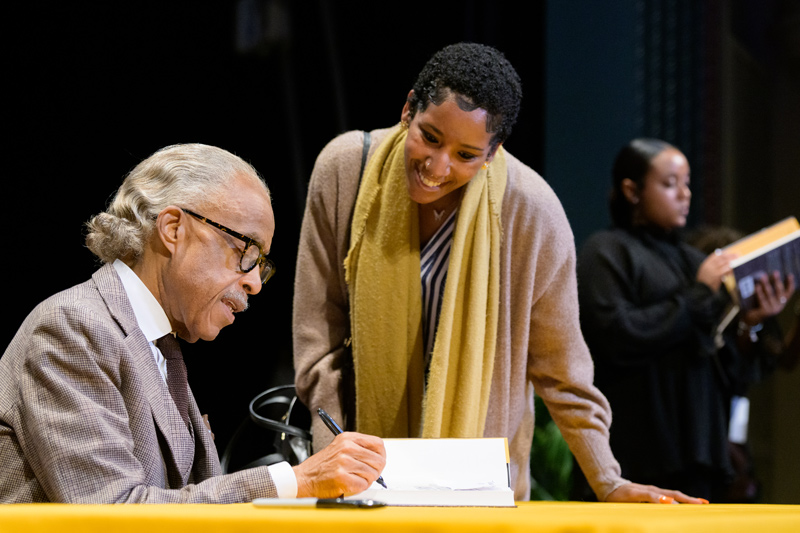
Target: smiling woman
434	292
446	146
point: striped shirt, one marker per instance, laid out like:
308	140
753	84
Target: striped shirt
434	261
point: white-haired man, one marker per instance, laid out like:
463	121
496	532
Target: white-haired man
94	403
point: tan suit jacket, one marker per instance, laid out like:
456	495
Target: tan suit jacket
86	417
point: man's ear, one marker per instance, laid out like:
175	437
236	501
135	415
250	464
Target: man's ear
170	227
630	190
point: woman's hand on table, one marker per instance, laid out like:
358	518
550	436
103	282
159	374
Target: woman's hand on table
636	493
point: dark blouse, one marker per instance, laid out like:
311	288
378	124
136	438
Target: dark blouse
650	328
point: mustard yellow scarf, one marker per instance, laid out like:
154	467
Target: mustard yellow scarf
382	270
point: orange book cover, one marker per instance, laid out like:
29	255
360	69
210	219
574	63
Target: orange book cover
763	237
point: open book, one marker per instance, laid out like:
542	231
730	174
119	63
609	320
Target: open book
444	472
775	248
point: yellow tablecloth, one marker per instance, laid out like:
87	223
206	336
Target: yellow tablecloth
527	517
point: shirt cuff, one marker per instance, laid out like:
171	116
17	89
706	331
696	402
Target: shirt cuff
284	479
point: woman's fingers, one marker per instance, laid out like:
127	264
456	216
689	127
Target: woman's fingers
634	492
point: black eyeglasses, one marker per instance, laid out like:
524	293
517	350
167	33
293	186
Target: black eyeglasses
252	255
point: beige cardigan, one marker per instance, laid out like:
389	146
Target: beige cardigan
539	342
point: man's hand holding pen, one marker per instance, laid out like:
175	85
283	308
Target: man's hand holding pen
348	465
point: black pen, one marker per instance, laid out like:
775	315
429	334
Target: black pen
335	429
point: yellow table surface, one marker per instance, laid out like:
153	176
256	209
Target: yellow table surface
528	517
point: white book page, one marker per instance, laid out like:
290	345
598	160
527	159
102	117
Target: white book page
444	472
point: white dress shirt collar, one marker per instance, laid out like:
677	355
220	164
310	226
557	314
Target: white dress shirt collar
149	314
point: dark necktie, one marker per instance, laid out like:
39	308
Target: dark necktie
176	374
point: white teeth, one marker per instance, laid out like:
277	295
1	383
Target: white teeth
428	182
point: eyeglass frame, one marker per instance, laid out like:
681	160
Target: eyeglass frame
248	241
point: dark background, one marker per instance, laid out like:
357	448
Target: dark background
92	88
97	87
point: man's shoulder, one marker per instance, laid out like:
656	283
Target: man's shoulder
71	322
101	292
80	296
81	308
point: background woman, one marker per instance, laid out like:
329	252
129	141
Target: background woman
650	305
450	266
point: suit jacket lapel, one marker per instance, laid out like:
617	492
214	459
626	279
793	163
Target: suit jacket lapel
179	442
179	455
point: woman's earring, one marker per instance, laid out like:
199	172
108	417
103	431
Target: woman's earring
404	124
485	165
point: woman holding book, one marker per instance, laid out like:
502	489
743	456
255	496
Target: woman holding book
449	264
650	307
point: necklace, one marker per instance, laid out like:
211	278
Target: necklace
439	214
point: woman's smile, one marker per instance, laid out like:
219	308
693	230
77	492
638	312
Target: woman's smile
445	148
428	180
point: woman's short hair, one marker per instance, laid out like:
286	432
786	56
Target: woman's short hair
192	176
633	163
480	77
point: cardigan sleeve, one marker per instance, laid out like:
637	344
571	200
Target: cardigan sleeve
562	372
321	321
544	299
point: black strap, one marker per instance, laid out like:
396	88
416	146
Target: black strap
364	153
348	370
282	401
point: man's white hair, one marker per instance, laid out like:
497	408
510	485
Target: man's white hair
192	176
